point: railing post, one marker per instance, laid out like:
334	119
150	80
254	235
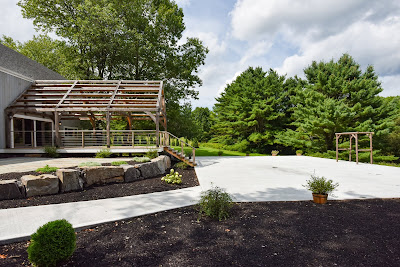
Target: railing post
133	139
83	139
34	134
194	156
183	154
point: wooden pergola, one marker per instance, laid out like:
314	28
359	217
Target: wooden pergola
355	136
92	100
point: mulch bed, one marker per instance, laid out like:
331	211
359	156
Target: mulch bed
189	179
340	233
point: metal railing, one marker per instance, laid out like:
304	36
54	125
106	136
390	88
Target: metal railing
24	139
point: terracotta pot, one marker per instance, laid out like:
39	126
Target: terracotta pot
274	155
320	198
298	154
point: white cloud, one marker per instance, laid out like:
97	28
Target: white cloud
182	3
13	24
391	85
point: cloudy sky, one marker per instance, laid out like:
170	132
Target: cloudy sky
285	35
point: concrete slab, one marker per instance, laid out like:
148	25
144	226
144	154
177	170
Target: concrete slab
281	178
19	223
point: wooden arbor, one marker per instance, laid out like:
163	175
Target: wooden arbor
355	136
92	100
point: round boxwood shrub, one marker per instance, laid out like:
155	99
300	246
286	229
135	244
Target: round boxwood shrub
53	242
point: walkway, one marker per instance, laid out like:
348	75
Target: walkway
246	178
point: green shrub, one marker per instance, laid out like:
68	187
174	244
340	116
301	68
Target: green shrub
141	159
52	243
220	152
46	169
195	143
300	152
118	163
215	203
274	152
320	185
51	151
181	165
103	153
89	164
152	154
189	153
172	178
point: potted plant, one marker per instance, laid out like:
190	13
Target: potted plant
274	152
299	152
248	153
320	188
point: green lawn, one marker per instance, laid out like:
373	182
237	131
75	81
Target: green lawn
208	151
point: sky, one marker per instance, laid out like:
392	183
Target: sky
285	35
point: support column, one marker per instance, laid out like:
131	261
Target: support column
356	136
157	128
34	134
370	146
350	148
57	129
108	129
12	140
337	147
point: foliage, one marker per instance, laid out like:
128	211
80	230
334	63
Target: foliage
181	165
299	152
152	154
47	169
141	159
274	152
254	108
172	178
195	143
89	164
104	153
51	151
215	203
118	163
220	152
189	153
52	243
202	118
320	185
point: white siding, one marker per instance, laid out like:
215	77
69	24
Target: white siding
10	88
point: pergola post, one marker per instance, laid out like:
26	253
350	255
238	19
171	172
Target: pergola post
356	136
337	147
157	128
370	147
57	128
108	129
351	137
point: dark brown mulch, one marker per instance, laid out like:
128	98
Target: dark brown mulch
189	179
341	233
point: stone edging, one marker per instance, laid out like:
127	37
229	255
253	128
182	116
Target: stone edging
67	180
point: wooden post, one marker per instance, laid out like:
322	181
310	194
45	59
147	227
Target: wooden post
83	139
157	129
183	154
108	129
337	147
133	139
57	128
351	137
356	137
370	146
194	156
34	134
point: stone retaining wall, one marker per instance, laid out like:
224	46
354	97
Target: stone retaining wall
77	179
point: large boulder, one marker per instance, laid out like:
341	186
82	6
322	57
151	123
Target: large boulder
45	184
131	173
160	163
69	180
102	175
167	161
149	169
9	189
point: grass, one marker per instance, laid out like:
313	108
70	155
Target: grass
118	163
46	169
208	151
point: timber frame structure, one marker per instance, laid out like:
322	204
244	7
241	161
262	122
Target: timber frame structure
50	102
355	136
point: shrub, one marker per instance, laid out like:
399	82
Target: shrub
103	153
215	203
141	159
181	165
51	151
172	178
152	154
300	152
275	152
220	152
195	143
46	169
320	185
53	242
117	163
189	153
89	164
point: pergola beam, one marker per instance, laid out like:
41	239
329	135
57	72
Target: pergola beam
357	150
